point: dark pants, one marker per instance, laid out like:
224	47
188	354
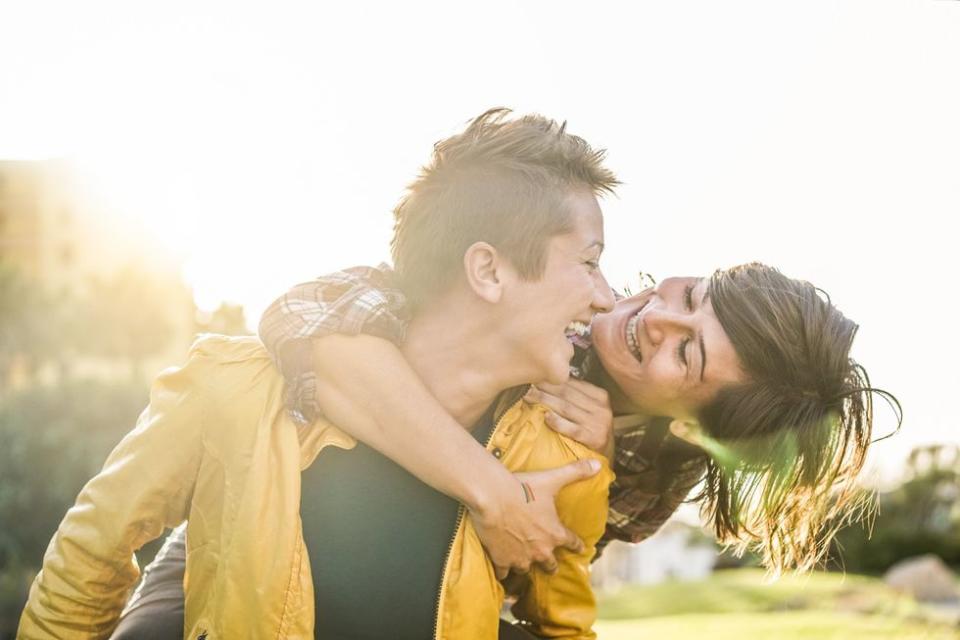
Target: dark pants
513	632
155	611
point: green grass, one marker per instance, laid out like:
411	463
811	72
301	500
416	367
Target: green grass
741	604
793	625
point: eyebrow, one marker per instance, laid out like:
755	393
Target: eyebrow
595	243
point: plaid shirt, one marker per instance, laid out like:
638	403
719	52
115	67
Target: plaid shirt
653	478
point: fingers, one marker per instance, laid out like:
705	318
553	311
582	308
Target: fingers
554	389
599	440
563	426
576	400
545	561
520	564
576	391
572	542
560	405
568	473
549	567
567	540
592	391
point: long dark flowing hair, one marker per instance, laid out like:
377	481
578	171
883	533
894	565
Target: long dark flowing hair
785	448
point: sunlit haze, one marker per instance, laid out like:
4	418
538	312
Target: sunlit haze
267	144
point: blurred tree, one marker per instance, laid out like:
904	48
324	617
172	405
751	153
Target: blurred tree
55	431
126	318
52	440
227	319
28	331
920	516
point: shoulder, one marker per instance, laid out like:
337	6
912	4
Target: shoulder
235	353
232	368
531	445
228	348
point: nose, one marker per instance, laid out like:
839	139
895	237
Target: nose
603	299
659	323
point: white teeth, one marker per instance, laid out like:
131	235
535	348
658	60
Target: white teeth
578	328
632	337
631	331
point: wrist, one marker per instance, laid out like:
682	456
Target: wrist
486	496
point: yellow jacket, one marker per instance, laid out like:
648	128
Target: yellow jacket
216	447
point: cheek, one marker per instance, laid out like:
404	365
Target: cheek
625	375
663	380
580	281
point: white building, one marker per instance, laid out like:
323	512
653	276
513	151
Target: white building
678	551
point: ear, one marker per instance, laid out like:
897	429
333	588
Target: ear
688	431
483	268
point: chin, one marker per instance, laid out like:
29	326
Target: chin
555	368
559	373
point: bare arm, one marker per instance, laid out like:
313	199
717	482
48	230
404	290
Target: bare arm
369	390
367	387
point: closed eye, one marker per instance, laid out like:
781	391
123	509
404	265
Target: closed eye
682	350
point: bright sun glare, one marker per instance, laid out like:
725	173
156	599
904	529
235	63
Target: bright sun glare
264	148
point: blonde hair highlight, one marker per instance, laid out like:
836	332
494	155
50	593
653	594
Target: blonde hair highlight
504	181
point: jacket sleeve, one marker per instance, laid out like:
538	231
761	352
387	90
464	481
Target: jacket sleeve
562	605
353	301
145	486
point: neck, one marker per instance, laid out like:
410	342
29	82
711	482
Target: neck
456	350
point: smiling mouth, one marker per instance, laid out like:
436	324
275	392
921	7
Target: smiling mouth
632	337
631	334
578	328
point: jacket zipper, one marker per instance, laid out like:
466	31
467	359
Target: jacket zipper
456	529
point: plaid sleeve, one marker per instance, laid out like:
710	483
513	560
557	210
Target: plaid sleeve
352	301
647	489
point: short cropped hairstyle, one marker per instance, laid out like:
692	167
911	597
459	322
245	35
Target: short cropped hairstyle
504	181
787	445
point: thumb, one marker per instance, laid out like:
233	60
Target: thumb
574	472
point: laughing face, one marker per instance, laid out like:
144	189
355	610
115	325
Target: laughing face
566	297
665	350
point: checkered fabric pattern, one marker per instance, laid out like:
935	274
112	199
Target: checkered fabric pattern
352	301
653	479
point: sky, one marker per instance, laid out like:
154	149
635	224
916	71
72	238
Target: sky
267	144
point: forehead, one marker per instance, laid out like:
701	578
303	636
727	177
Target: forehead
585	214
674	282
585	231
